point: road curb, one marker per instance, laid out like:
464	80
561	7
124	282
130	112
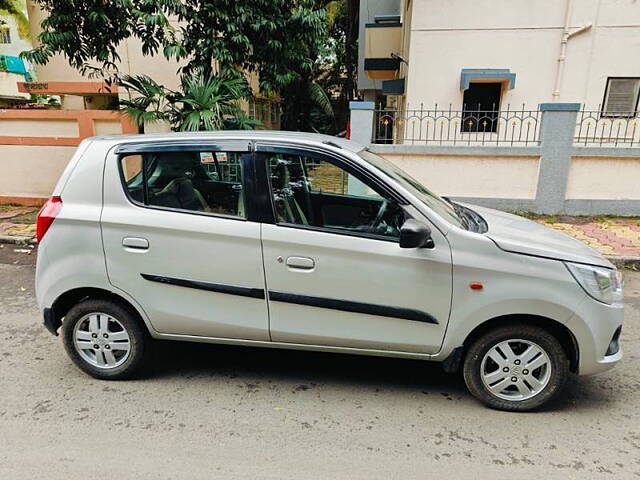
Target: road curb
624	261
15	240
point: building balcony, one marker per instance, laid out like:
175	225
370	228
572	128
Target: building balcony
13	64
383	44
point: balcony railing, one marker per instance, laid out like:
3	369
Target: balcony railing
446	126
13	64
596	128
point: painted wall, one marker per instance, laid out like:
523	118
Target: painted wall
35	146
9	84
610	178
31	171
591	178
473	175
18	127
523	36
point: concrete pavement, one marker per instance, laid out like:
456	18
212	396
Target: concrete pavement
230	412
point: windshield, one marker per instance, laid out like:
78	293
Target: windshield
433	201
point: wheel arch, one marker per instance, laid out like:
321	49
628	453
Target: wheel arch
65	301
558	330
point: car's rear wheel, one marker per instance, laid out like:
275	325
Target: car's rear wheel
516	367
105	339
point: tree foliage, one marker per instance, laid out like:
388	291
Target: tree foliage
297	47
277	38
319	100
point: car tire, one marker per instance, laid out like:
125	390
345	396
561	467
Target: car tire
495	368
106	339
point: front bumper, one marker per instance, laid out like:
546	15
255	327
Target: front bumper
596	328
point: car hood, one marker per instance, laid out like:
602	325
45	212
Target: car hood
515	234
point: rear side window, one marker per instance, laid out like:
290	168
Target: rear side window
208	182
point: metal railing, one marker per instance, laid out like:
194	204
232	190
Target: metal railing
597	128
445	126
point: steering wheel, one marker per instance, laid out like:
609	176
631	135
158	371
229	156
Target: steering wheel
379	216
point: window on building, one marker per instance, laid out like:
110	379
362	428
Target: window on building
480	107
621	97
5	35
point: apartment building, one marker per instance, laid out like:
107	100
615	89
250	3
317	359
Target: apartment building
493	55
12	68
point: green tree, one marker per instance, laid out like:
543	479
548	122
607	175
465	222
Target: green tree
339	76
88	32
319	100
280	39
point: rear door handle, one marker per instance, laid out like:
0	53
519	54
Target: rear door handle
301	263
135	242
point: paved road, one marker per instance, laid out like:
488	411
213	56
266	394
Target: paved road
223	412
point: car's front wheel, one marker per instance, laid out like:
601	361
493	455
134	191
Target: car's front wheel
516	367
105	339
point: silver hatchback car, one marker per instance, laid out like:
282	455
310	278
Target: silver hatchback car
300	241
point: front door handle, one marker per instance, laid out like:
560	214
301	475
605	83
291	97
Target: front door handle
135	242
301	263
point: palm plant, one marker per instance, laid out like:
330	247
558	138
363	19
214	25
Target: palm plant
202	103
308	107
320	98
147	100
242	121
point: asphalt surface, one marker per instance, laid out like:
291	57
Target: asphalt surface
233	412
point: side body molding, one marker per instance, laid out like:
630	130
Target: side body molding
319	302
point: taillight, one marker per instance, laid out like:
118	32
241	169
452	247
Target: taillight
46	216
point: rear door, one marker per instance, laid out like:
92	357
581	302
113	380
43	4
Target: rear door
179	240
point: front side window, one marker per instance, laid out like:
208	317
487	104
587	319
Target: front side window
443	208
209	182
318	193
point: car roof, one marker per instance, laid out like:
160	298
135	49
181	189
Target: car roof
257	135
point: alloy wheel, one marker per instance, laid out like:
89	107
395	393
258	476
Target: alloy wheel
101	340
515	370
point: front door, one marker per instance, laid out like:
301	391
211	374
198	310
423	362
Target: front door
177	239
335	272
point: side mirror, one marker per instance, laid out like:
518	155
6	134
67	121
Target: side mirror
415	234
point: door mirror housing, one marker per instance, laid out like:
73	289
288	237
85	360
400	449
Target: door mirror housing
415	234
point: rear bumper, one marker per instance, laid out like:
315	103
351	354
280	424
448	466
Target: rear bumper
51	322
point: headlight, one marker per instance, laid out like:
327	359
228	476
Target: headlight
603	284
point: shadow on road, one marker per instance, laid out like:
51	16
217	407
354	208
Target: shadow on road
193	360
